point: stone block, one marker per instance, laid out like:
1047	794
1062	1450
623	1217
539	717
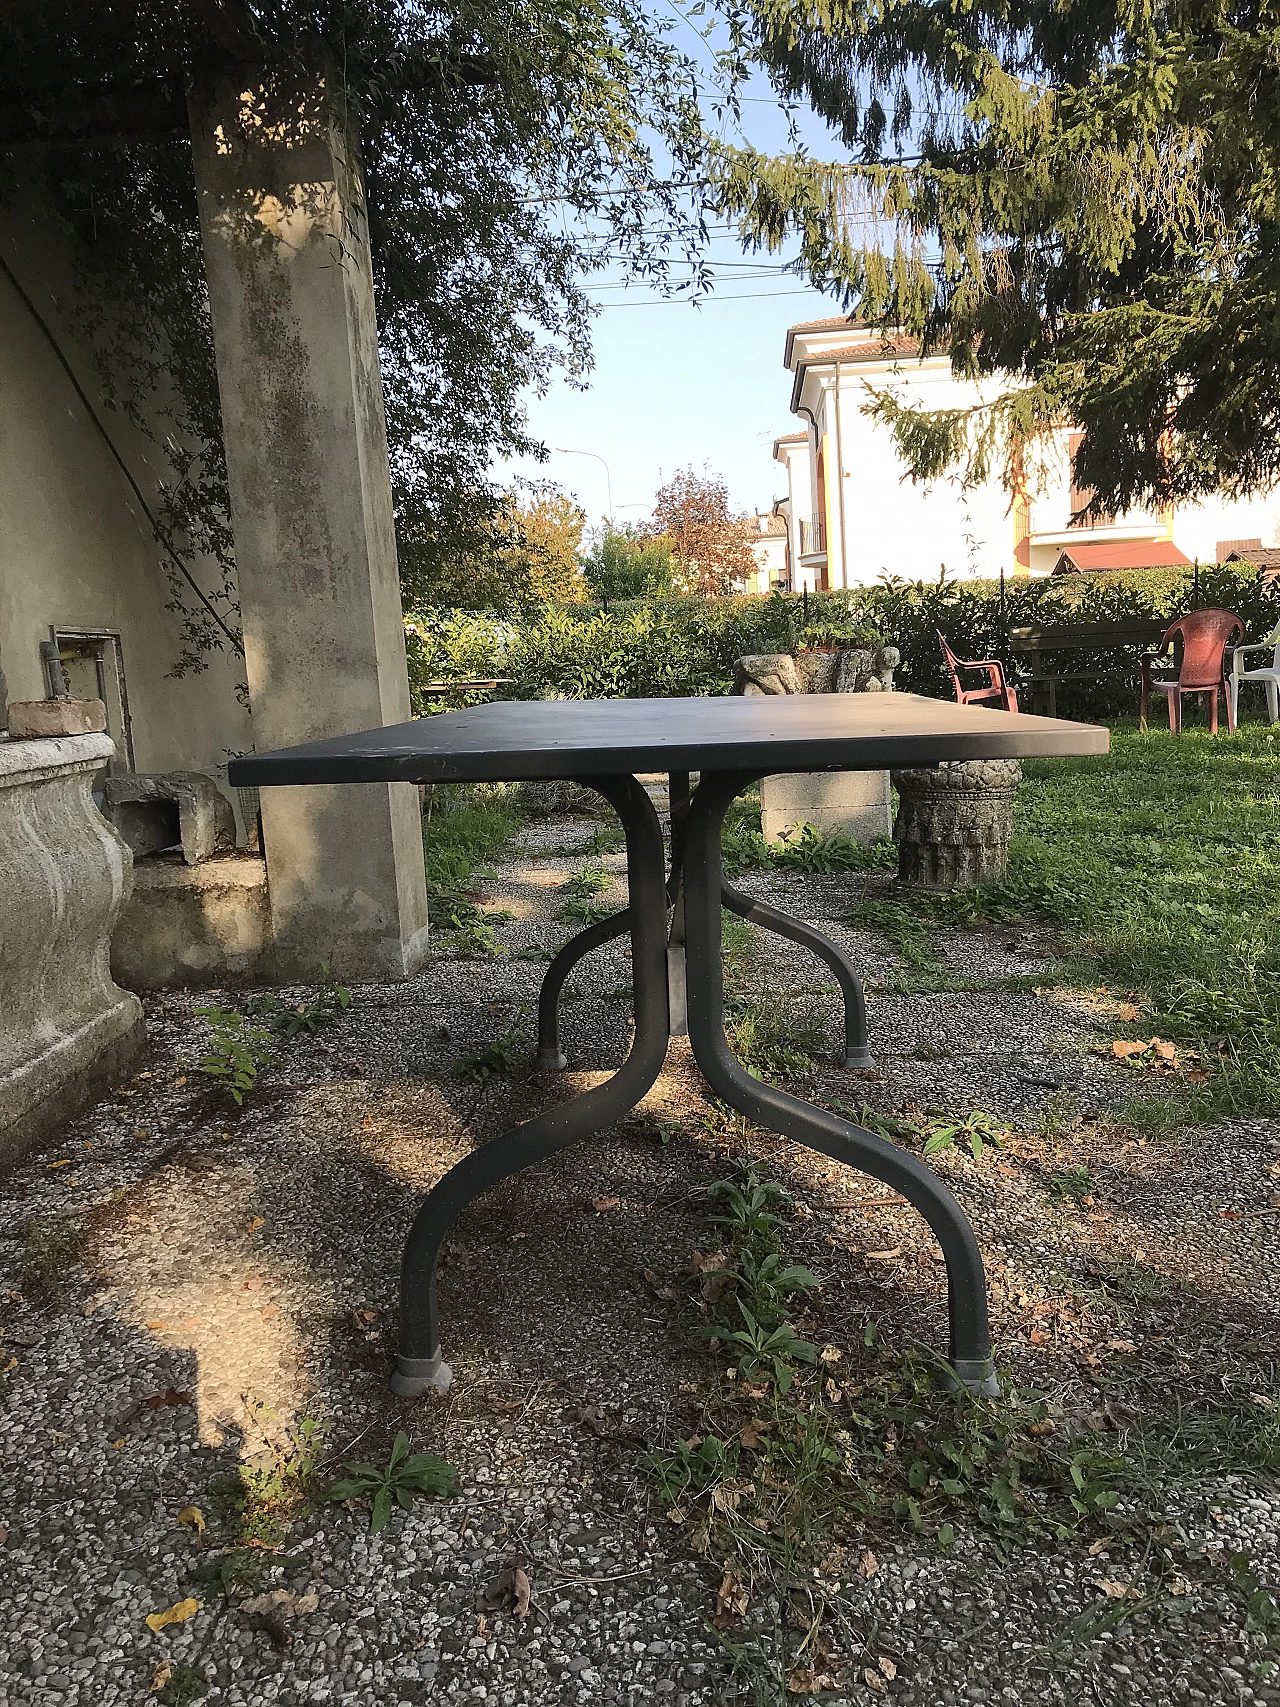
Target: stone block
164	809
188	926
50	719
67	1032
856	802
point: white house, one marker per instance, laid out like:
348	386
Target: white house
854	513
771	551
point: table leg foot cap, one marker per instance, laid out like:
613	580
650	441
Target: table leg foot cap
975	1373
551	1061
415	1376
858	1060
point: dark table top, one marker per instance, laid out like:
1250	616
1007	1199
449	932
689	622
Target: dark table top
518	740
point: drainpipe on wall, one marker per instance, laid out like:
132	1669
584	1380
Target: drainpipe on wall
844	550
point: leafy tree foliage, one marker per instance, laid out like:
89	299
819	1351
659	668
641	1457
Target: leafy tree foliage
626	565
713	549
522	554
507	150
1081	199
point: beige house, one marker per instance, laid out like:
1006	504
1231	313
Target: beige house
855	513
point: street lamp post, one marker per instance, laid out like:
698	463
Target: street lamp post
567	450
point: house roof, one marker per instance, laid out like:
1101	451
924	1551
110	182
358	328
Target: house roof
773	524
829	325
1121	554
869	350
1261	556
789	439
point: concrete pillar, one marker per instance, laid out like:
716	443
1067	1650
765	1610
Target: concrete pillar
283	221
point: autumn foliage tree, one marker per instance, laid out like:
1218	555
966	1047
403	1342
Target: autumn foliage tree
711	547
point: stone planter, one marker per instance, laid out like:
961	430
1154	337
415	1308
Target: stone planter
954	822
67	1033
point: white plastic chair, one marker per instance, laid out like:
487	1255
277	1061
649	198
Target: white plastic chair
1267	674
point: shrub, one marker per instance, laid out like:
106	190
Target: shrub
678	647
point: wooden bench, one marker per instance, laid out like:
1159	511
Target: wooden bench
1032	644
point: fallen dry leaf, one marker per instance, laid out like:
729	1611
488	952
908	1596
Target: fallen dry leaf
1128	1011
1123	1048
178	1613
660	1289
868	1564
282	1600
510	1590
193	1517
730	1495
255	1221
603	1204
830	1354
834	1393
1099	1546
1178	1584
751	1433
884	1256
676	1514
874	1681
1166	1051
160	1676
808	1680
64	1163
1115	1590
700	1264
887	1667
170	1396
732	1600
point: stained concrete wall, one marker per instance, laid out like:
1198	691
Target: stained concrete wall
75	550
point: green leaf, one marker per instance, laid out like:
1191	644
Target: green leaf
381	1511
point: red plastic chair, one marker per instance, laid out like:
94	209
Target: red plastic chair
1206	636
998	687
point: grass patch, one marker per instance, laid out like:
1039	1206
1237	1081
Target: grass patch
1159	867
258	1503
808	1461
50	1247
462	830
772	1042
1155	1114
743	847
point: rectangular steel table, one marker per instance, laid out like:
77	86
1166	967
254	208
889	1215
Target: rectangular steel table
673	918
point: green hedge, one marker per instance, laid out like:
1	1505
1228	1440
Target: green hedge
675	647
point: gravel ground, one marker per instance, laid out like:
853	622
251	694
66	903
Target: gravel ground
187	1284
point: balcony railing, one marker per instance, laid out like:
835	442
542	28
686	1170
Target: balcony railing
813	536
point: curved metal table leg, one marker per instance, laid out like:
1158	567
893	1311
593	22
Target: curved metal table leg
420	1367
856	1052
969	1350
550	1057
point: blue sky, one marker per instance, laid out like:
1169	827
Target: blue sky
676	385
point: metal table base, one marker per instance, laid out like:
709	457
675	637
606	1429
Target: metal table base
674	922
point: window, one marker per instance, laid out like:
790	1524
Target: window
1081	496
93	668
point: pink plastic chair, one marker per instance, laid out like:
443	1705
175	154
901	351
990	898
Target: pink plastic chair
998	688
1206	635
